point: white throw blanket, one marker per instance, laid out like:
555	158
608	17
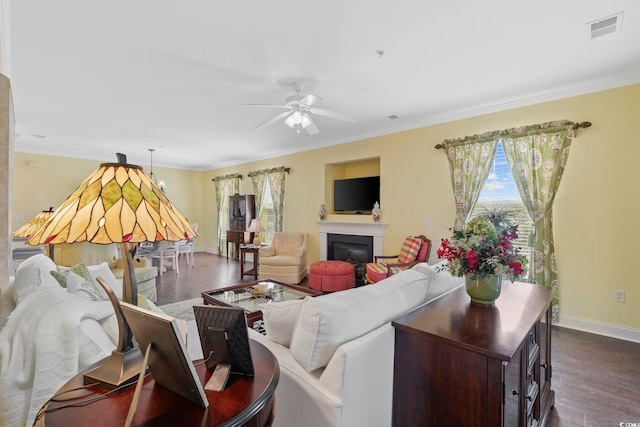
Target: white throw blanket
40	351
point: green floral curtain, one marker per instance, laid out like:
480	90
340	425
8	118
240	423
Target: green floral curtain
537	156
277	183
259	181
276	177
469	163
226	186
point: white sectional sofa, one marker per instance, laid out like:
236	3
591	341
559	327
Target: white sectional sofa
336	351
49	333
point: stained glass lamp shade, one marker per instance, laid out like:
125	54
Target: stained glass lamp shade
118	203
29	228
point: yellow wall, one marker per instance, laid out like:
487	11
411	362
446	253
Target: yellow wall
595	209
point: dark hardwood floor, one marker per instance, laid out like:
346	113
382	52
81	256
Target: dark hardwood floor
596	378
210	272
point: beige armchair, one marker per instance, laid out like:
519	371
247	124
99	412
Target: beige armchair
285	259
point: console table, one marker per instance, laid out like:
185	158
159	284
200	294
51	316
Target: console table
246	401
462	364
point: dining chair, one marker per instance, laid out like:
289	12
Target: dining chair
166	251
185	247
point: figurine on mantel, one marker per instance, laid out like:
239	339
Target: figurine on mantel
322	212
375	212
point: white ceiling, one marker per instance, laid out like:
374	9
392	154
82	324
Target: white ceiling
92	78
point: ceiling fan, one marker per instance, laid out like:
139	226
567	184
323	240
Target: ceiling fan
299	109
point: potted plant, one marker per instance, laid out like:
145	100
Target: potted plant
483	257
502	216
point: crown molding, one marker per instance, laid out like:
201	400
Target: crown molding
454	115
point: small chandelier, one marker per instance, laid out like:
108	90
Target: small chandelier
161	184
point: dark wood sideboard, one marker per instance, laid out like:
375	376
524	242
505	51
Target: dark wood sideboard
462	364
242	210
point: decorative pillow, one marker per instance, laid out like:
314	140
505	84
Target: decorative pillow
280	319
423	255
33	274
103	270
410	249
79	269
328	321
82	288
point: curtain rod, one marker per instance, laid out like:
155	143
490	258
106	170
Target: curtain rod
575	126
229	176
263	171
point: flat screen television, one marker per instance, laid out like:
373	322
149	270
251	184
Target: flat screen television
356	194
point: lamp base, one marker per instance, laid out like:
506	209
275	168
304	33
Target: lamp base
121	368
257	241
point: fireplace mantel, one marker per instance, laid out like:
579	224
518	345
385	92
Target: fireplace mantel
376	230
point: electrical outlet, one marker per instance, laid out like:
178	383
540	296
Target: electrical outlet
19	217
427	223
618	296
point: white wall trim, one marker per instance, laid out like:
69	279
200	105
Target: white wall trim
207	250
467	112
600	328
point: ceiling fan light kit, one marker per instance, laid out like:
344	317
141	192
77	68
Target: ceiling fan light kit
299	109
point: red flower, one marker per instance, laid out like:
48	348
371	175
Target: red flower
517	267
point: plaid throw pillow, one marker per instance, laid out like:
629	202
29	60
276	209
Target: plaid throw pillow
410	249
423	254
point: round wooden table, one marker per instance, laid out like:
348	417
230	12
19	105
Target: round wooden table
246	401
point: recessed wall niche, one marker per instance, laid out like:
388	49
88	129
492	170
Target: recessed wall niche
349	169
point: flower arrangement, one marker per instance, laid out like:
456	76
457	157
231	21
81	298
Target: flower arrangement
257	292
479	250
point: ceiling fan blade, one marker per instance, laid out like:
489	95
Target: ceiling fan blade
273	120
265	105
332	114
312	129
310	99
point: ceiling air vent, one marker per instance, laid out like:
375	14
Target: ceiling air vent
604	26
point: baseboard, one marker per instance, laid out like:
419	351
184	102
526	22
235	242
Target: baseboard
600	328
207	250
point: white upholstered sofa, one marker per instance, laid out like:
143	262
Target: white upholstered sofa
336	351
49	333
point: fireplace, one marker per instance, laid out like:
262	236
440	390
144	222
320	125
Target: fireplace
357	250
376	230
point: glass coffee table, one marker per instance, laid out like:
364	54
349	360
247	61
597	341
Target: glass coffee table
250	295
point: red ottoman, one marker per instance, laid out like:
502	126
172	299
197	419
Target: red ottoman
331	276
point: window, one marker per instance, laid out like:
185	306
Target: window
500	198
268	215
